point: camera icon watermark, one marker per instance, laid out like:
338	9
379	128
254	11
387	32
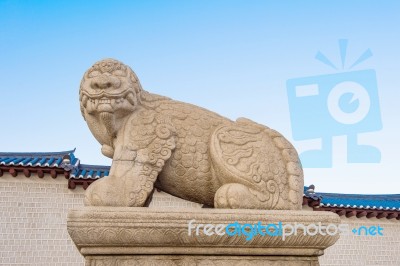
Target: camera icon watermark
325	106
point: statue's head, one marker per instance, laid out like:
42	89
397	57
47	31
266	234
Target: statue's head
109	91
109	86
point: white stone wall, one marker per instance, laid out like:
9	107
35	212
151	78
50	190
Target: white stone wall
33	226
366	250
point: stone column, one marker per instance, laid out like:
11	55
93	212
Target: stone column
151	236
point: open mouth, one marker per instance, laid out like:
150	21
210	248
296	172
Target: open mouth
108	103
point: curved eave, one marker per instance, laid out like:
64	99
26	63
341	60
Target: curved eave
89	172
29	170
359	213
38	159
369	206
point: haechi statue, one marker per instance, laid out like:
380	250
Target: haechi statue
182	149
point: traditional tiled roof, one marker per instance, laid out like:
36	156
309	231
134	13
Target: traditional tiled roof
87	171
38	159
359	205
368	202
86	174
27	163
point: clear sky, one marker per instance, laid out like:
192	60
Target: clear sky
232	57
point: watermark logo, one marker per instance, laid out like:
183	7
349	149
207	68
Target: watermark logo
249	231
344	103
375	230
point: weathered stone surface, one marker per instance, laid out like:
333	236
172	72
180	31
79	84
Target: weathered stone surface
150	236
185	150
175	260
197	155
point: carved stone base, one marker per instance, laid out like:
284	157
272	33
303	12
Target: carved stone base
200	260
150	236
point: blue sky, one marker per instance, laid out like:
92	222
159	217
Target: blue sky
232	57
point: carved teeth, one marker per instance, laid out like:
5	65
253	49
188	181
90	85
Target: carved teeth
131	98
104	100
90	105
94	102
84	100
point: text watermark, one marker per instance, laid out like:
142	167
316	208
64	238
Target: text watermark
249	231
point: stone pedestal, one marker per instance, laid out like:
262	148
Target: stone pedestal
151	236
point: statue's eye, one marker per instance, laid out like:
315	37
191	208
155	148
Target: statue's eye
119	73
94	74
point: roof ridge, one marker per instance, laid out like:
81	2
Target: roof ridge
357	195
81	166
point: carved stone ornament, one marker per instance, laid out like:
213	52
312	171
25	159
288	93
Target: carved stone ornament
182	149
120	236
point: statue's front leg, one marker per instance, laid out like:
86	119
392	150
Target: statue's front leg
138	182
136	165
128	185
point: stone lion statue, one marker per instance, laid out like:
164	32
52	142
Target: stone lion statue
182	149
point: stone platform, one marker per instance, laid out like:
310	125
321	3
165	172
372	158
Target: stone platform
151	236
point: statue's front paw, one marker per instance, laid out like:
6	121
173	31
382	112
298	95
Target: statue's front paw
104	192
107	151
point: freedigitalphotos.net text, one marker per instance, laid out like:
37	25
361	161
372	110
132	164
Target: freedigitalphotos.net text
279	230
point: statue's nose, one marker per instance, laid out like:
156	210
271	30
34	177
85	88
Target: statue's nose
105	82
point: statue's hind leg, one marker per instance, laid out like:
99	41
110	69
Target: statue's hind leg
238	196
